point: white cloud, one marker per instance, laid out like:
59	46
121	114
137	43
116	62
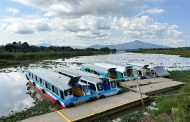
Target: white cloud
13	10
146	28
155	11
87	22
77	8
96	29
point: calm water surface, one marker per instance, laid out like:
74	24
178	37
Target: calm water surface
13	95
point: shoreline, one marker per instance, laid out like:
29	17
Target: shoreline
179	52
24	59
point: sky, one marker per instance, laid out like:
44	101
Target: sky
89	22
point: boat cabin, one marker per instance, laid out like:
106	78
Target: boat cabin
123	72
101	71
99	86
143	70
56	87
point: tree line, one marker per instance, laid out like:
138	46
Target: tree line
25	47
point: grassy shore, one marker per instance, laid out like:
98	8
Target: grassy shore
23	59
172	106
182	53
39	109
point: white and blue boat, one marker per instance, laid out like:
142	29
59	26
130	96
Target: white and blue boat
58	88
101	87
144	70
101	71
123	72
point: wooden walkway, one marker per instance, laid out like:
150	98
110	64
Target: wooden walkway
153	85
92	110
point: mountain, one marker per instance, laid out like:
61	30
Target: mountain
130	45
43	44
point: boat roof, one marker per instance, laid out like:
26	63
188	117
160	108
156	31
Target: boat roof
84	75
160	71
97	68
119	68
139	65
83	84
52	77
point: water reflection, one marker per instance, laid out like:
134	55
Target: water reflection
13	93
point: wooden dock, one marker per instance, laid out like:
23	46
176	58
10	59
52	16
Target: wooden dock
110	105
92	110
153	85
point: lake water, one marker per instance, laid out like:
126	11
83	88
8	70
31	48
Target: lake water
13	95
170	62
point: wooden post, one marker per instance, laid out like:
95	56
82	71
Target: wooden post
140	93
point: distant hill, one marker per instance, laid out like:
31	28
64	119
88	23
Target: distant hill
43	44
130	45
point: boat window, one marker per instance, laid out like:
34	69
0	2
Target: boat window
128	72
100	87
56	91
53	89
84	81
92	86
105	81
48	86
40	81
88	70
148	72
43	82
32	76
95	72
86	89
135	73
112	74
68	92
113	84
61	94
36	78
152	72
140	73
29	74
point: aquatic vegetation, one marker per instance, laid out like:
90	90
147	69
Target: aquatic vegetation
25	58
39	109
181	52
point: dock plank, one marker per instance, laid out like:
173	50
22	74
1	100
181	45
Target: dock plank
102	105
92	110
158	87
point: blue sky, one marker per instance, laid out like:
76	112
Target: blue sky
177	12
88	22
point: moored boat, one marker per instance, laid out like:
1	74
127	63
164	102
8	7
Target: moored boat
58	88
101	87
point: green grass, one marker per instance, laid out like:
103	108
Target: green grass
178	100
166	101
124	117
183	53
39	109
182	76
